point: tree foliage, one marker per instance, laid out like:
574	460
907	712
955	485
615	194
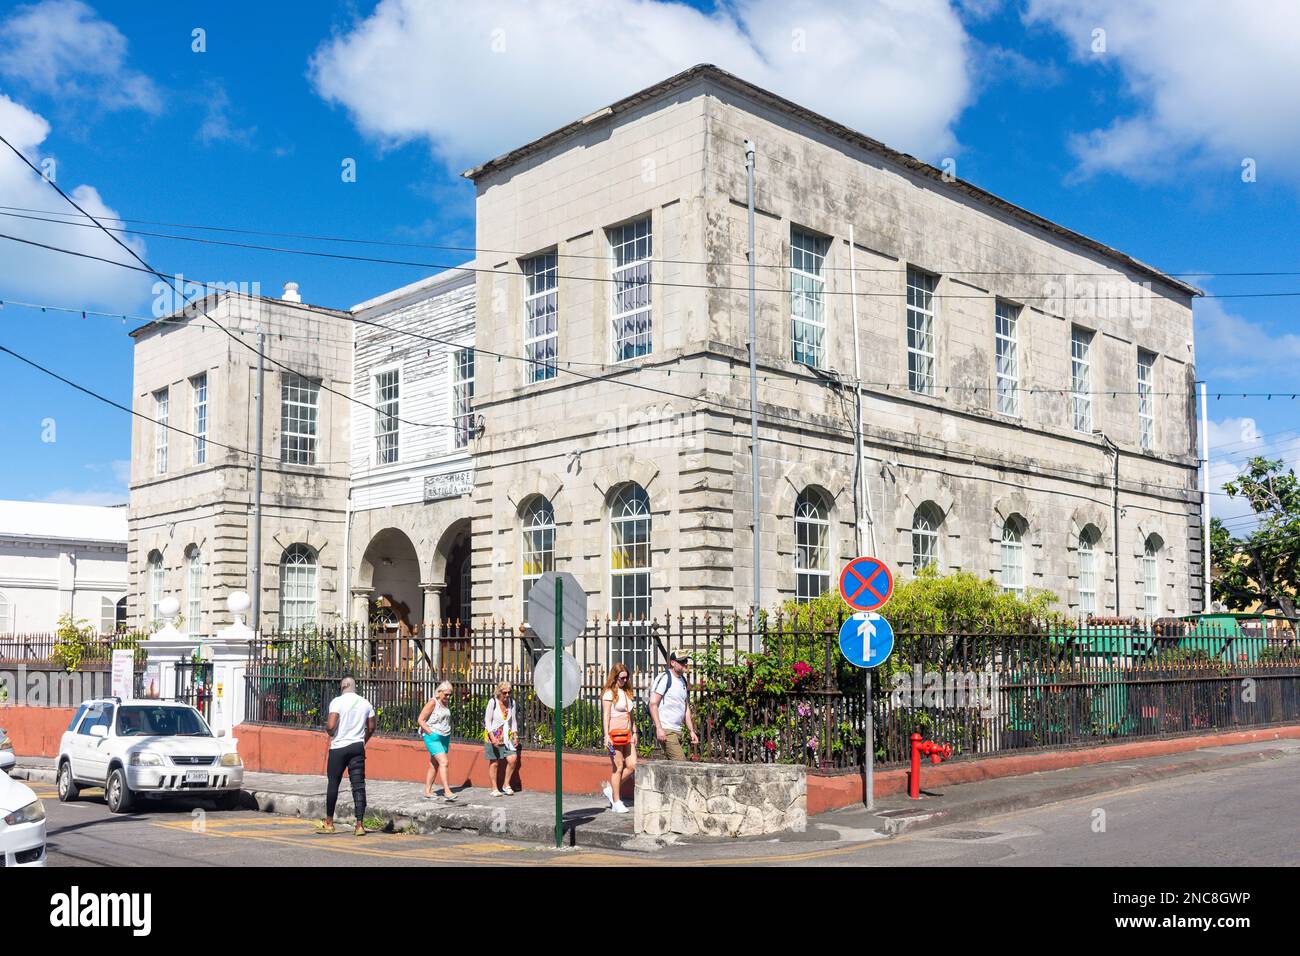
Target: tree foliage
1261	568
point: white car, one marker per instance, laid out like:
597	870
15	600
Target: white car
146	748
22	817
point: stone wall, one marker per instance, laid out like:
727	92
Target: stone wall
711	799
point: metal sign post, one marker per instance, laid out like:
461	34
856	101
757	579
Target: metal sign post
866	640
559	714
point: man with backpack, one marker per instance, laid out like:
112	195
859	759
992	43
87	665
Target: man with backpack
670	706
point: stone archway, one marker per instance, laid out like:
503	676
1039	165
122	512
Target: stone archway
448	594
388	580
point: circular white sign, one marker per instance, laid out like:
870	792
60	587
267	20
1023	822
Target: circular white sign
544	680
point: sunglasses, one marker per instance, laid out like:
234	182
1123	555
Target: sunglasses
622	677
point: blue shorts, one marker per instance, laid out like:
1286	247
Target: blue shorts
437	744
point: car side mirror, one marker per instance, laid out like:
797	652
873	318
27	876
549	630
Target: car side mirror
7	760
221	732
99	730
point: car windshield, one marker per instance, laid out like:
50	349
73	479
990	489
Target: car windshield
161	722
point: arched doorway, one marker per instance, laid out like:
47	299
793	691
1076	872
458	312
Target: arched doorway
391	569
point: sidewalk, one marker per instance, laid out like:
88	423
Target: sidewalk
530	816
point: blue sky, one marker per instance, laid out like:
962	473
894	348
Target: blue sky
1139	144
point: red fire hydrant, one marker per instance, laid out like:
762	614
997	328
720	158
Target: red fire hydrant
936	753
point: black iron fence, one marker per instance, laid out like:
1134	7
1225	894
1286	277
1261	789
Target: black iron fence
778	689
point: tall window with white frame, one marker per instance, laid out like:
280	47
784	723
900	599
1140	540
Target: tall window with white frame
1006	341
298	592
155	566
1146	374
1088	539
386	389
541	315
161	408
462	396
193	589
107	616
808	297
538	544
199	394
631	246
920	331
1013	556
926	521
299	405
6	616
1151	576
812	552
629	576
1081	378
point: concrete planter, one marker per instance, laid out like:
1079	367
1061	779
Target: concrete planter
714	799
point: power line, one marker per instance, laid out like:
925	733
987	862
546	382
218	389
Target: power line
148	268
615	280
131	411
502	355
17	211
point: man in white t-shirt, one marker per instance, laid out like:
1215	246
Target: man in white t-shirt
351	724
670	706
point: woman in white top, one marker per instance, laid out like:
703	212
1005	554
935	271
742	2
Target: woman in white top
435	727
501	738
617	719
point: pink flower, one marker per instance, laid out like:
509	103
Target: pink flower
770	745
812	743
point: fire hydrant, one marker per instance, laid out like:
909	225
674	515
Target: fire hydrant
936	753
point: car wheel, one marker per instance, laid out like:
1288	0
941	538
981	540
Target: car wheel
118	793
68	789
229	801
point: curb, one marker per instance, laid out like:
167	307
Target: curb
895	823
477	821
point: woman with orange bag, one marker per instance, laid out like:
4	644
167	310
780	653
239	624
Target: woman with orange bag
620	734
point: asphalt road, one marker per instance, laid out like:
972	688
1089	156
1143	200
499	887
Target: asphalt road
1239	816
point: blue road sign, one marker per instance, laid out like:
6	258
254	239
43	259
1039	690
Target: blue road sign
866	639
866	584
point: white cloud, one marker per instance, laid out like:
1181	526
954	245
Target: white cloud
476	80
41	275
217	126
1215	82
62	48
1232	348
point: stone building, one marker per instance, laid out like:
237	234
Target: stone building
58	559
409	510
995	349
191	511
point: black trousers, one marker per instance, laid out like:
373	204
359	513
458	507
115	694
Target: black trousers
351	758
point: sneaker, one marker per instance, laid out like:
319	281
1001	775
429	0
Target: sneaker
608	791
507	791
620	807
496	793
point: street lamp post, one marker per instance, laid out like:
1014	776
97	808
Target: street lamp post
1114	450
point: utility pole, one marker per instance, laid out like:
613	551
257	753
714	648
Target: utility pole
753	382
1207	561
257	484
858	476
1114	514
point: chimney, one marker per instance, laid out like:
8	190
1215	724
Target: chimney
291	292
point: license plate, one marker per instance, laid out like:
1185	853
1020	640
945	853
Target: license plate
196	776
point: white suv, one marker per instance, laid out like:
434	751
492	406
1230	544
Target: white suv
146	748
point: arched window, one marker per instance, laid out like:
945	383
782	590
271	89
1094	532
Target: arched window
6	616
812	552
1151	575
629	576
297	588
538	548
193	589
925	536
1088	539
1013	555
155	584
